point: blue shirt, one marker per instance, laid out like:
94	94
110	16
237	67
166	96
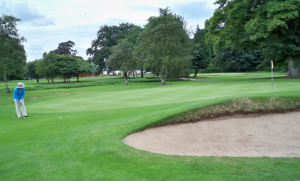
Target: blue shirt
19	94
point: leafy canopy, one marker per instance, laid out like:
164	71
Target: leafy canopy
236	60
269	25
202	53
66	48
165	42
107	37
12	52
122	57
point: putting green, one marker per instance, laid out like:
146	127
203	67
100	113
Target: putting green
154	95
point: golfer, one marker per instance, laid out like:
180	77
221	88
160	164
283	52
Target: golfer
19	94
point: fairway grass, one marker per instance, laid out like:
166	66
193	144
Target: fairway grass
86	142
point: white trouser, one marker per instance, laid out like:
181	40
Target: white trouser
24	113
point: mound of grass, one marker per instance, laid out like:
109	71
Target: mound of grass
261	105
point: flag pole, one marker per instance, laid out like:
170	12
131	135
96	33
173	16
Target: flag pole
272	72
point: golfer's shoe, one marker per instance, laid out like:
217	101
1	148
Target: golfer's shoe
26	116
19	116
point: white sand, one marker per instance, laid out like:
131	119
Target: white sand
272	135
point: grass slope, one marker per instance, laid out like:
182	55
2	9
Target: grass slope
86	143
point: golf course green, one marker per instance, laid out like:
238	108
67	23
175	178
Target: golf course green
76	133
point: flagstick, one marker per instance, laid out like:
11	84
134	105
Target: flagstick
272	72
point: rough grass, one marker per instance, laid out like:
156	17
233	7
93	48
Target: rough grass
258	105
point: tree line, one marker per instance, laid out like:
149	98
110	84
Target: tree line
241	34
60	62
165	46
270	26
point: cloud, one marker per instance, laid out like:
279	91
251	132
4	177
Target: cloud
195	13
193	10
26	14
45	39
115	21
43	22
144	8
46	23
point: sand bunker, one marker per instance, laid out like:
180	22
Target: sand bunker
273	135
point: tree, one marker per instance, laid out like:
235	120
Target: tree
32	70
66	48
132	38
271	26
236	60
12	52
107	37
165	42
48	66
67	66
201	51
122	58
83	67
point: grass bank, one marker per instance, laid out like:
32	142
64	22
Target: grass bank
252	105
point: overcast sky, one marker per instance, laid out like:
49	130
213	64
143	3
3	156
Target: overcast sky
46	23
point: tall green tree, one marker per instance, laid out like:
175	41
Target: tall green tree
132	38
271	26
107	37
12	52
67	66
31	70
165	42
202	53
66	48
84	67
48	66
122	58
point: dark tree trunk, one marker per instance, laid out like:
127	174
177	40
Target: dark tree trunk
52	80
126	77
142	73
196	73
77	77
5	80
292	70
37	78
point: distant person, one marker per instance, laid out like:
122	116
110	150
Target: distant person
19	94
